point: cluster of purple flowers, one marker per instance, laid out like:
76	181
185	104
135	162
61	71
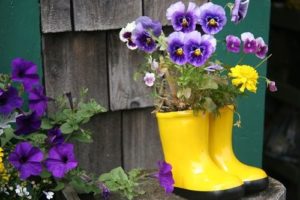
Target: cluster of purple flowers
250	44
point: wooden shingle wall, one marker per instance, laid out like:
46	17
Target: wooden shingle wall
81	48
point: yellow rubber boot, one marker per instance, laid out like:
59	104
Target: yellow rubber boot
184	138
221	151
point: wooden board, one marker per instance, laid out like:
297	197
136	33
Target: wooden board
105	152
76	60
141	142
56	16
105	14
125	93
156	9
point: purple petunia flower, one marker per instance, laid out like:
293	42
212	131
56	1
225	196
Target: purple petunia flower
213	67
199	48
250	44
262	48
126	35
233	44
212	18
27	160
176	48
181	19
142	34
61	160
25	72
27	124
9	100
37	100
239	10
272	86
55	136
165	176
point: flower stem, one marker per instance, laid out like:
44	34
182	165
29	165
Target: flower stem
264	60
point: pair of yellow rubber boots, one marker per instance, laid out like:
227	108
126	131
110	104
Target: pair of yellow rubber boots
199	148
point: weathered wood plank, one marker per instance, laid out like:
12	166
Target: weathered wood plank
141	142
76	60
56	16
105	152
156	9
105	14
125	93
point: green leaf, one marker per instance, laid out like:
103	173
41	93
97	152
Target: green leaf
209	105
66	128
45	174
208	83
59	186
46	124
7	136
83	136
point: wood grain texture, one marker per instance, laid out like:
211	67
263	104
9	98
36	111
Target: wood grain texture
141	142
125	93
105	152
105	14
56	16
156	9
73	61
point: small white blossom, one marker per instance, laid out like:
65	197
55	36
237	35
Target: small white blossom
22	192
49	195
149	79
154	65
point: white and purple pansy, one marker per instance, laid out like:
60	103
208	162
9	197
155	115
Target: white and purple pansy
182	19
250	44
233	44
199	48
126	35
212	18
149	79
176	48
262	48
239	10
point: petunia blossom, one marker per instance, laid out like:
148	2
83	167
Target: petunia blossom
149	79
262	48
233	44
250	44
9	100
126	35
165	176
61	160
181	19
38	102
176	48
26	159
212	18
25	72
55	136
27	124
199	48
239	10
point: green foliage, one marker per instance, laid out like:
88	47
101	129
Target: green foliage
117	180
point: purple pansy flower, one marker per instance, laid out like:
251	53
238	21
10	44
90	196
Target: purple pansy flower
176	48
27	124
27	160
212	18
25	72
233	44
199	48
262	48
55	136
165	176
149	79
239	10
61	160
141	35
126	35
250	44
272	86
9	100
181	19
213	67
37	100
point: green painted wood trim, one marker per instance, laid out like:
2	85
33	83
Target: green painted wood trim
20	34
248	140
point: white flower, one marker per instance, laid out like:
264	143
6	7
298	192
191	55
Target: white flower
126	33
22	192
49	195
149	79
154	65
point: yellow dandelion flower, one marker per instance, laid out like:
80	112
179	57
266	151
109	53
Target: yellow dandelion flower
245	77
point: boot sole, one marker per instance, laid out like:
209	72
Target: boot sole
256	186
229	194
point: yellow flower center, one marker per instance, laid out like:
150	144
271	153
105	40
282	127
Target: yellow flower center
179	51
212	22
184	22
197	52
